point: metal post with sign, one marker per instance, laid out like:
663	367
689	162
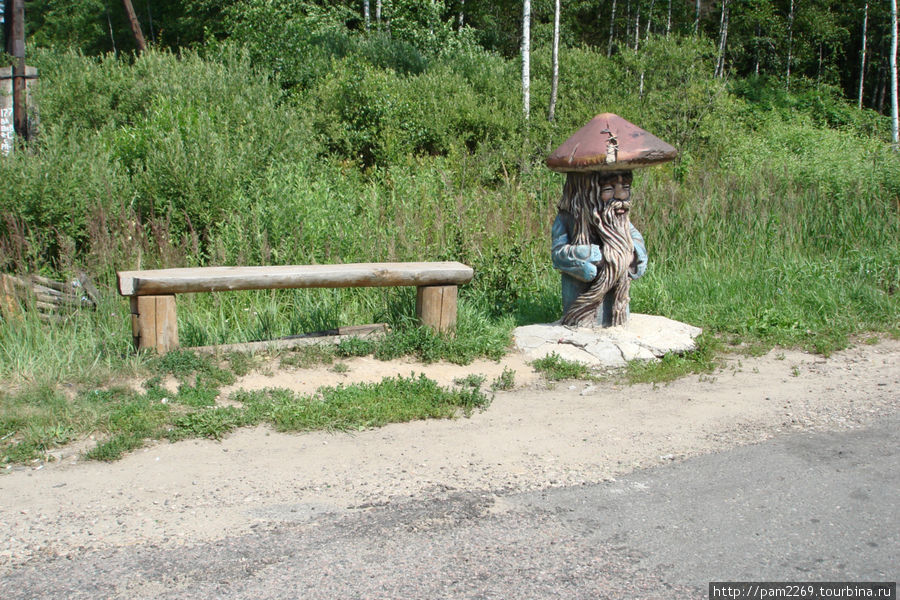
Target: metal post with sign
14	81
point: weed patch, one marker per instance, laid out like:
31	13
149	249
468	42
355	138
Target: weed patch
354	346
556	368
306	357
505	381
360	406
672	366
472	380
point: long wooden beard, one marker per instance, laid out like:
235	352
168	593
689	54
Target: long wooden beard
598	220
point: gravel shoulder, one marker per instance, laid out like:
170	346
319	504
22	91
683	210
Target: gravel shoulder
530	438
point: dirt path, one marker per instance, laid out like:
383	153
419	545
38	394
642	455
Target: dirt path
532	437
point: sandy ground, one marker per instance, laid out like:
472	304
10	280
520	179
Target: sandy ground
534	436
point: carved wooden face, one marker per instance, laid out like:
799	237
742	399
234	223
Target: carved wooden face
616	189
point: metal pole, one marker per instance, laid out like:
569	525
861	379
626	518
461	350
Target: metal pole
17	45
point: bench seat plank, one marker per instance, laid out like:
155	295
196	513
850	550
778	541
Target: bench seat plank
216	279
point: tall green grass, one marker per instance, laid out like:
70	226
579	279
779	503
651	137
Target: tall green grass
773	224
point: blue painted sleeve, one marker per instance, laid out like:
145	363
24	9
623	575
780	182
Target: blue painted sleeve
576	260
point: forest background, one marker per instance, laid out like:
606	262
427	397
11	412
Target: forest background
262	132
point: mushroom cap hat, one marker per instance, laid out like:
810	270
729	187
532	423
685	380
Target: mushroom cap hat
609	143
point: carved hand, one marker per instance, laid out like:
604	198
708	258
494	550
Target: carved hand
592	255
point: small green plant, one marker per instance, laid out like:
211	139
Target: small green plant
213	422
196	396
355	346
306	357
115	447
556	368
340	368
505	381
472	380
181	363
475	336
184	364
672	366
240	363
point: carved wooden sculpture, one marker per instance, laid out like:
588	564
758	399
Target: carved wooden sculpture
595	246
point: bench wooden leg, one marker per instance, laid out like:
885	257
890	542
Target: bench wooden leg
154	323
436	306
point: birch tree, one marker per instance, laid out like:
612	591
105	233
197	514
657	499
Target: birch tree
526	58
790	47
649	20
612	29
554	84
723	39
669	19
697	18
637	26
862	56
366	14
895	135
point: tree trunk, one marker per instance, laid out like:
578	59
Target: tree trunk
649	20
723	40
378	13
462	13
637	27
554	83
756	52
895	126
112	36
135	26
862	57
150	22
697	19
526	58
627	22
819	68
669	19
366	14
790	46
612	29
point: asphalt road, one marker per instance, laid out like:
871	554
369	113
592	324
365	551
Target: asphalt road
801	507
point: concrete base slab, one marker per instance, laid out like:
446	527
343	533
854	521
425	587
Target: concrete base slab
643	337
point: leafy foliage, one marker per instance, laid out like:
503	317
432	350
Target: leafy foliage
424	151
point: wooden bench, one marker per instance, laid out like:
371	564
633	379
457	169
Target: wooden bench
152	292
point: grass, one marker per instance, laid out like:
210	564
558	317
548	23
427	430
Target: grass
305	357
556	368
40	418
354	407
789	251
705	359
